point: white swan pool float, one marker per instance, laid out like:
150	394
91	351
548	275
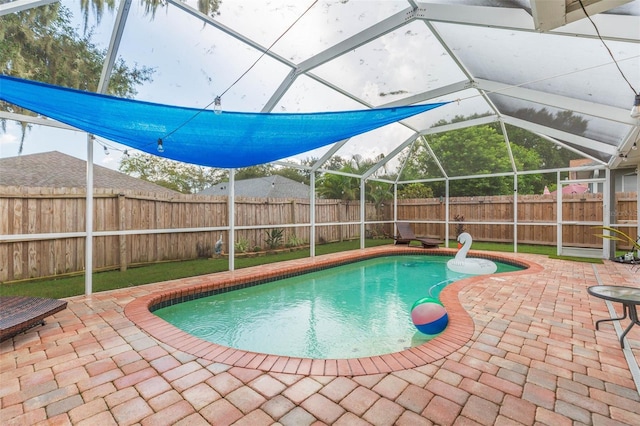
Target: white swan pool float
470	266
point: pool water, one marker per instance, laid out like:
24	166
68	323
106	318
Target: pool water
356	310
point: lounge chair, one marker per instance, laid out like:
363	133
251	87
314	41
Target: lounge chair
18	314
406	235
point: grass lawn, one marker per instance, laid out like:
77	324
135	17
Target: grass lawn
110	280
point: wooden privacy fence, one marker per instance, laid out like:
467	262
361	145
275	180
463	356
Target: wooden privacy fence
56	211
158	227
274	212
490	218
149	227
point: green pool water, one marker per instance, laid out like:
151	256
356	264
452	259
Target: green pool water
350	311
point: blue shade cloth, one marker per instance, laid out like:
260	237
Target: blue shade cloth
191	135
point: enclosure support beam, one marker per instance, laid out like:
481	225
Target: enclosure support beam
446	212
558	215
515	213
638	206
114	45
395	208
608	210
363	215
232	216
88	242
312	214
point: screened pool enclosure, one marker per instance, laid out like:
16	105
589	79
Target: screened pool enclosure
549	87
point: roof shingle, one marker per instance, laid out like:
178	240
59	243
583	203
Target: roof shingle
55	169
274	186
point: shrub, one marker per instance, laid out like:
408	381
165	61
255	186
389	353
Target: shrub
274	238
242	245
294	241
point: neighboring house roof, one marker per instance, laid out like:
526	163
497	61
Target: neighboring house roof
55	169
269	187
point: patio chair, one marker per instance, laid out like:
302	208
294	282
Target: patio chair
406	235
18	314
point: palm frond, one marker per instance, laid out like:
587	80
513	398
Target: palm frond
618	235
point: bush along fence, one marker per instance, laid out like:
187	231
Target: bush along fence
158	227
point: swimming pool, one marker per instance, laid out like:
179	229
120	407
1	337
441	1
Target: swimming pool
356	310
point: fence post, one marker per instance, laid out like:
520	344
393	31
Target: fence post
122	225
294	219
341	218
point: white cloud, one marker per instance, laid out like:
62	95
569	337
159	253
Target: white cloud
110	162
8	138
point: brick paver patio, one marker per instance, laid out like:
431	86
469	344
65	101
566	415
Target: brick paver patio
522	349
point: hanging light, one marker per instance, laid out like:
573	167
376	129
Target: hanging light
635	111
217	105
634	146
106	151
160	147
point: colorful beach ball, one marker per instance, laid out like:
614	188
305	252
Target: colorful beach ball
429	316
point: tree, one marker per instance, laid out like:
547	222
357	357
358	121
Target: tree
415	190
208	7
529	159
378	192
550	154
562	120
469	151
334	163
40	44
190	178
298	175
181	177
338	187
481	150
252	172
98	7
532	152
347	188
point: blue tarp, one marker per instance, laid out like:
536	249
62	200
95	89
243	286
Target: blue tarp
191	135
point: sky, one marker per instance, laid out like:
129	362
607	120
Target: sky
194	63
192	66
174	80
44	139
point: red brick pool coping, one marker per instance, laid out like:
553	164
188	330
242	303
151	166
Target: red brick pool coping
458	332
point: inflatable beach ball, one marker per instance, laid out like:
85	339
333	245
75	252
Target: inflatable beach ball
429	316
